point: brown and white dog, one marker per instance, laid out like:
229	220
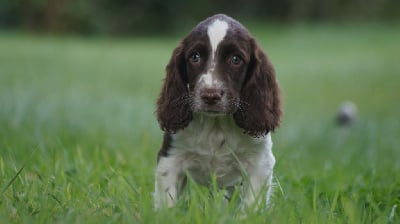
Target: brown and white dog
217	107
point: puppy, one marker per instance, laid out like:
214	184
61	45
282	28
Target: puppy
218	106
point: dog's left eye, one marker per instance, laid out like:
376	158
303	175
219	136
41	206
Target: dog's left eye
195	57
236	60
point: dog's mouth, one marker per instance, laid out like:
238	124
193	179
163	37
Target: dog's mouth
214	110
213	113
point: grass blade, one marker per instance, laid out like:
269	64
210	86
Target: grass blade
12	180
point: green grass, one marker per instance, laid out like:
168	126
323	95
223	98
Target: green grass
78	136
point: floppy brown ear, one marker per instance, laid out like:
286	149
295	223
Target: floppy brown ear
260	110
173	109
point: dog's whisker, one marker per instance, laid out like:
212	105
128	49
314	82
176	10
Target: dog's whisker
238	104
183	100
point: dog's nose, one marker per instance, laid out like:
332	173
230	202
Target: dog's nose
211	95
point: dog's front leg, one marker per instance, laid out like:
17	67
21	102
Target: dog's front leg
258	185
259	182
167	182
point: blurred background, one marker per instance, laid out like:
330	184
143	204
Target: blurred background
159	17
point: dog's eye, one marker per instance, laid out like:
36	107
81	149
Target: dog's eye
236	60
195	57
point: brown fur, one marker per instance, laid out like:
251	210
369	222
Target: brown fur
173	110
261	111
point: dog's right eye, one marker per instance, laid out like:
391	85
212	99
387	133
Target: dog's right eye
195	57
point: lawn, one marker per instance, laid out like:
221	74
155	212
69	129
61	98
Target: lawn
79	138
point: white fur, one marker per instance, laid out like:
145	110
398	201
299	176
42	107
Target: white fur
216	33
214	145
206	80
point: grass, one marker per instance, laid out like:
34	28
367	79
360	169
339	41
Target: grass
78	137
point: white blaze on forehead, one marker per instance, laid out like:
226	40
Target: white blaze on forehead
216	33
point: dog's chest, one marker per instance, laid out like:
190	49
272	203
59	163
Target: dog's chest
215	148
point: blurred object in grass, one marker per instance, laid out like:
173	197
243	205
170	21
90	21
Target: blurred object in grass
347	114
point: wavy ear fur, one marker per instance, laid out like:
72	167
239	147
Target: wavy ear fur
260	110
173	109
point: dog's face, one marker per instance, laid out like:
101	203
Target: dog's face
218	69
216	63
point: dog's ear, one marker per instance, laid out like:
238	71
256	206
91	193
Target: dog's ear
173	109
260	110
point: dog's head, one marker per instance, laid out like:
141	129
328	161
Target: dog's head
219	69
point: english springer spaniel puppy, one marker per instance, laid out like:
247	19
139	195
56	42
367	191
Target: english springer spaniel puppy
218	106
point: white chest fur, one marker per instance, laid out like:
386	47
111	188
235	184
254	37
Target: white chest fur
214	145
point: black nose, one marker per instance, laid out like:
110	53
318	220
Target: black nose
211	95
